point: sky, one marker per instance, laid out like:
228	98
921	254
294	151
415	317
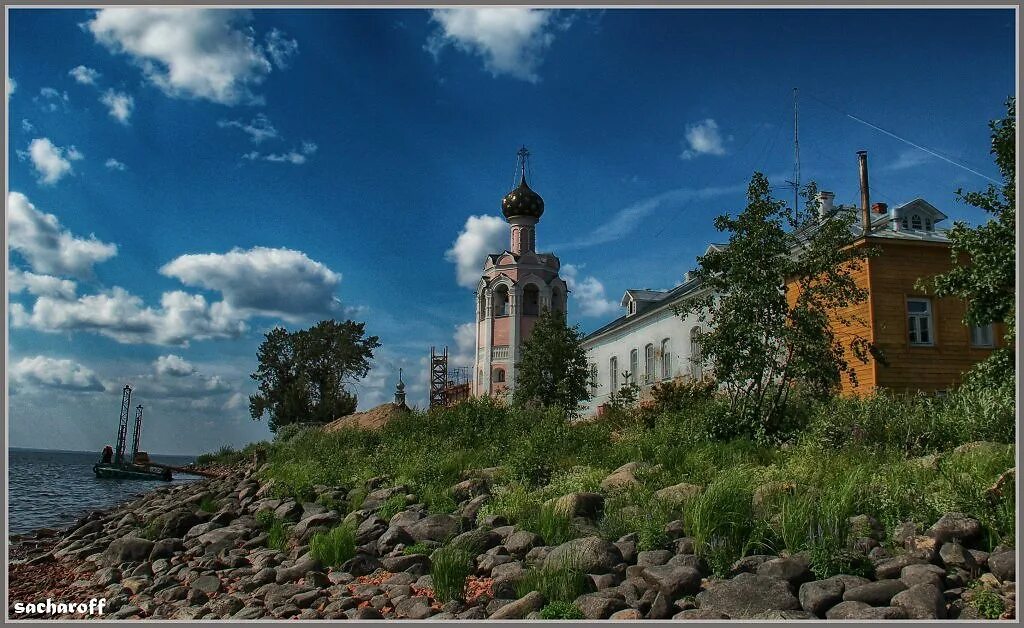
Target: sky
181	181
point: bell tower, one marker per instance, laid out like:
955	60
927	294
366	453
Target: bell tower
516	286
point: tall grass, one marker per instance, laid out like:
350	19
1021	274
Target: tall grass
563	582
334	547
449	568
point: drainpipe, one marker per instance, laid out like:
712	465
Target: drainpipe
865	196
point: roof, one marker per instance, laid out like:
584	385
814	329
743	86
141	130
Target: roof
667	299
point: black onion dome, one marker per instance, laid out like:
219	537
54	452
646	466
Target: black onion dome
522	201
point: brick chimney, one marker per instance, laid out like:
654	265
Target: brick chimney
879	208
865	195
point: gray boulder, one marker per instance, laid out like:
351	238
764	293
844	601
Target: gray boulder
674	582
1004	565
435	528
746	595
128	548
590	554
955	526
860	610
600	605
922	601
653	558
520	542
532	601
878	593
165	548
923	574
820	595
795	570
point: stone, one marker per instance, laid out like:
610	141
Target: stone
177	523
304	599
165	548
749	563
520	542
820	595
626	613
892	567
392	537
297	570
921	601
470	488
519	609
360	565
477	540
250	612
954	555
590	554
860	610
201	528
600	605
955	526
878	593
700	613
128	548
653	558
600	582
923	574
418	563
226	606
661	607
135	585
790	615
866	526
795	570
264	576
435	528
206	584
684	545
904	531
922	546
628	549
587	505
107	576
320	519
746	595
678	494
674	582
689	560
1004	565
621	478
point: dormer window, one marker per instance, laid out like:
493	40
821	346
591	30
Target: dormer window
904	223
927	224
915	221
631	308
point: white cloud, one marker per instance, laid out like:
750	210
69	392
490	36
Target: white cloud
46	246
465	345
261	281
12	86
114	164
297	156
193	53
173	365
703	138
588	292
27	126
258	129
84	75
480	236
280	48
47	372
511	40
908	159
119	105
51	100
122	316
51	162
39	285
626	220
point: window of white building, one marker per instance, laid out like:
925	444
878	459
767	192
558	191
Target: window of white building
696	355
613	374
919	322
594	385
666	359
982	336
634	363
649	364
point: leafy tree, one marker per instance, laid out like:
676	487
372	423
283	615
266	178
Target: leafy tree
983	257
304	375
773	292
553	371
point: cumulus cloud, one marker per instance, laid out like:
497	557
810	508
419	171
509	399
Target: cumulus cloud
261	281
587	292
280	48
190	53
27	126
41	371
119	105
122	316
173	365
297	156
907	160
480	236
84	75
703	138
510	40
113	164
12	86
51	100
46	246
39	285
258	129
465	345
52	163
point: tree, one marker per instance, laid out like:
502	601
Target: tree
304	375
553	371
773	292
983	257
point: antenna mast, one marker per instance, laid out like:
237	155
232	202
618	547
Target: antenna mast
796	151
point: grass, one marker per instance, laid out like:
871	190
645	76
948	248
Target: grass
334	547
417	548
277	533
394	505
208	504
560	584
561	610
449	568
841	458
151	531
987	602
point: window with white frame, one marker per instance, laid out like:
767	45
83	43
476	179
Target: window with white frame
666	359
634	363
915	221
613	374
649	364
696	355
919	322
982	336
594	385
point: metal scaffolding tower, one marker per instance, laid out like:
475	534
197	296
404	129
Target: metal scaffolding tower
438	377
122	428
138	431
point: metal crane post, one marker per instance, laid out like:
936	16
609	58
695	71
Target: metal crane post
138	431
122	428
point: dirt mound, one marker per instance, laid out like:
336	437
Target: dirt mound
372	419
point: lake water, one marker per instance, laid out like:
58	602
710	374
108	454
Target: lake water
51	489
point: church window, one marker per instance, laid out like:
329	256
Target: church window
649	364
666	359
982	336
613	374
531	300
501	301
499	376
556	301
634	363
593	377
927	224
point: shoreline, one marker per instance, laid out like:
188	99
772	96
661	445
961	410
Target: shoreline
203	550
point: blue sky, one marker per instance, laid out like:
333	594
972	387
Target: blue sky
180	181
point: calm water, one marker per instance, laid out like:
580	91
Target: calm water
51	489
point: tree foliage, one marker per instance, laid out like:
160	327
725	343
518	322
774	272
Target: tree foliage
775	292
304	375
983	257
553	371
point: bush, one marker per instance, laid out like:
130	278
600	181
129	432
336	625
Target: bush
558	584
561	610
989	604
417	548
721	519
449	568
334	547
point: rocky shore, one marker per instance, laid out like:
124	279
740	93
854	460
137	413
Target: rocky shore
200	551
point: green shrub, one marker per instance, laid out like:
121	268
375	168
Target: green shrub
449	568
552	526
989	604
560	583
208	504
637	511
561	610
334	547
152	529
417	548
721	519
277	535
394	505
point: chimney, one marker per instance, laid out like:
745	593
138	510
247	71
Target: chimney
825	203
865	196
880	208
